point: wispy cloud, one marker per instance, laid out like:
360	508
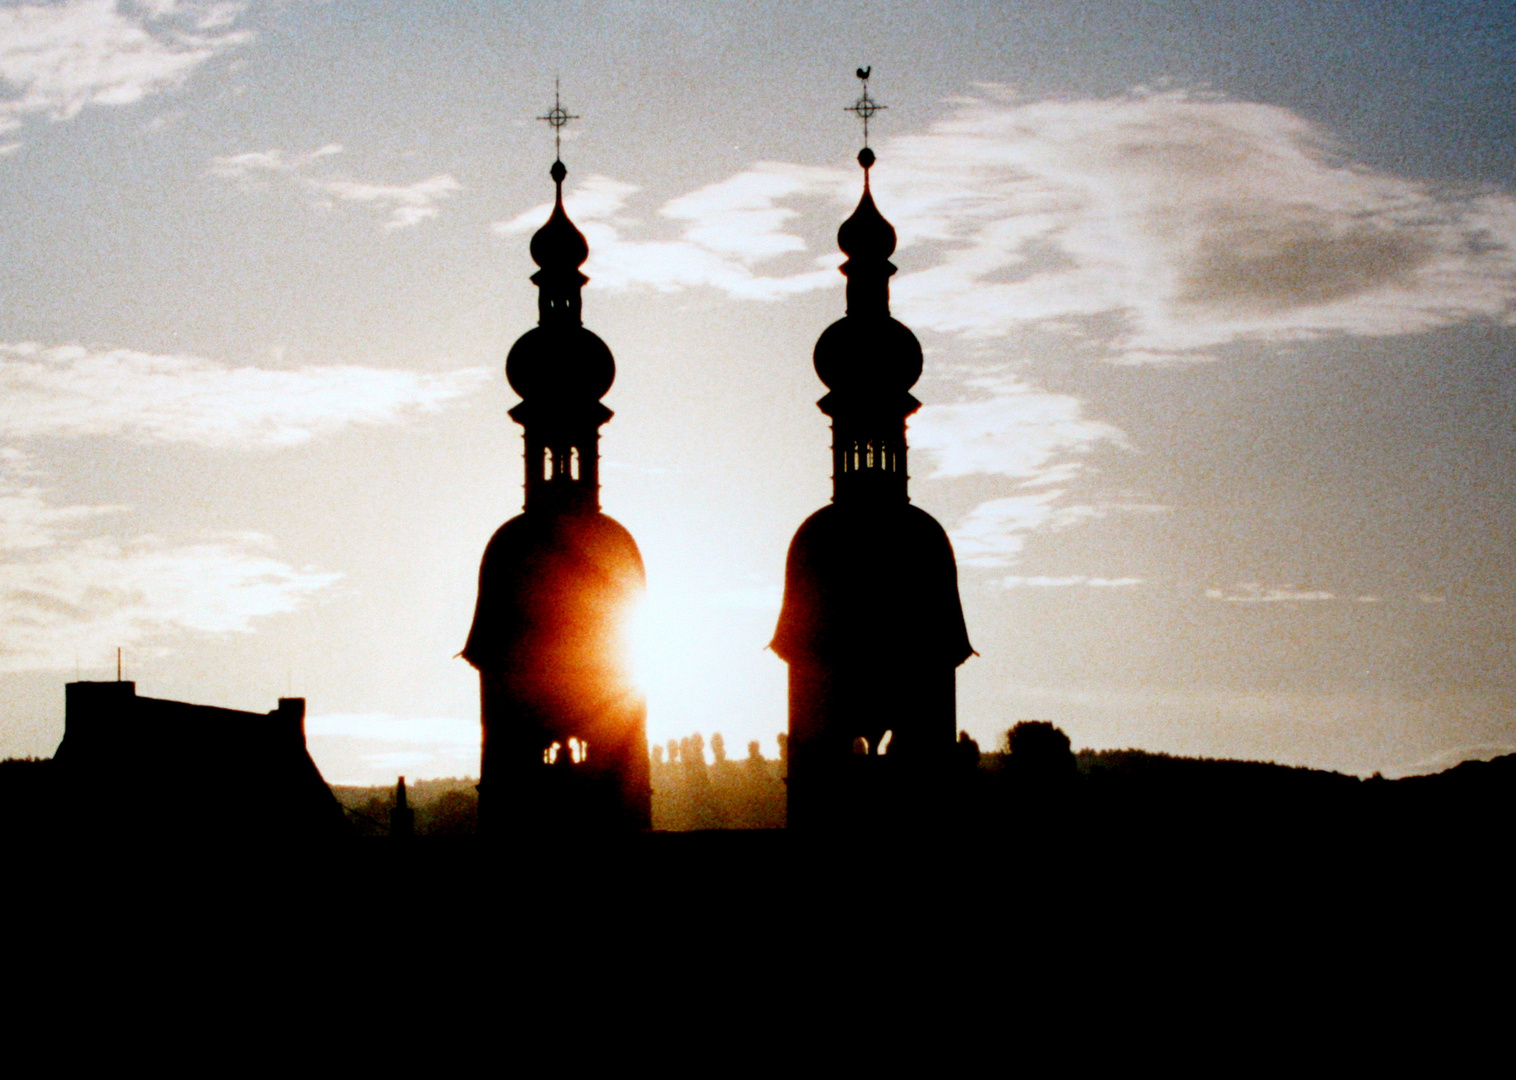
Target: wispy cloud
373	748
65	595
405	204
61	57
1015	582
1255	592
1019	432
259	164
1159	225
27	521
1151	227
1146	227
994	533
72	391
1012	429
730	234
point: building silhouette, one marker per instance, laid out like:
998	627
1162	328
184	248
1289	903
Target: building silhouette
871	626
133	768
564	742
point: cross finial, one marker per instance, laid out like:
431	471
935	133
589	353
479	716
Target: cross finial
865	107
557	116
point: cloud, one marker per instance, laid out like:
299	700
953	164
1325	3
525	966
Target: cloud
426	730
1151	227
406	204
1156	226
1254	592
1019	432
1013	429
730	234
994	532
374	748
260	163
597	198
61	57
71	391
64	596
1013	582
1148	227
27	522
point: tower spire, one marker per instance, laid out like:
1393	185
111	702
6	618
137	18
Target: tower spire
868	360
871	626
560	369
556	581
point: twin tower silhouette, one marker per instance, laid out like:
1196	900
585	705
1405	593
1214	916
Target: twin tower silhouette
871	625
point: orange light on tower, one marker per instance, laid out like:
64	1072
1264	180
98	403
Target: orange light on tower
564	729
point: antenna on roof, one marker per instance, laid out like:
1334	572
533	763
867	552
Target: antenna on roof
118	663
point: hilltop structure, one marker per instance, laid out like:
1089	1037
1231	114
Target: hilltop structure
564	740
871	626
141	768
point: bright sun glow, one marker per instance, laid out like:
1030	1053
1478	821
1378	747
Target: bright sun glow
664	639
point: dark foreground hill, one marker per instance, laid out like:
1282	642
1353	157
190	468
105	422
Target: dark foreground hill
1120	865
1111	790
1131	799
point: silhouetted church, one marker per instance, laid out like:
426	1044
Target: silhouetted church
564	741
871	627
141	768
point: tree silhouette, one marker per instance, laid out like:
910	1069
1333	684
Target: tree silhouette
1040	753
968	752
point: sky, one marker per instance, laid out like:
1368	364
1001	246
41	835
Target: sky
1218	304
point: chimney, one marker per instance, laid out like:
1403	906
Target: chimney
292	711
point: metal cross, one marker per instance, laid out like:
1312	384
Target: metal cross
865	106
557	116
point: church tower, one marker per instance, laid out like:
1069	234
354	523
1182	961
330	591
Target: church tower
871	627
564	743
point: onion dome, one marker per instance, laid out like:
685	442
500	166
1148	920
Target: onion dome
873	357
866	235
558	245
867	353
559	363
